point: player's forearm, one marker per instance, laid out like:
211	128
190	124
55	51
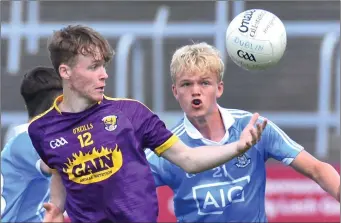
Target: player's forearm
57	191
328	179
207	157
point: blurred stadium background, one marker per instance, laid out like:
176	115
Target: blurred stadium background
301	94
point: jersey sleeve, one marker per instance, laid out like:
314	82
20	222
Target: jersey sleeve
279	145
160	169
35	134
24	157
10	133
151	130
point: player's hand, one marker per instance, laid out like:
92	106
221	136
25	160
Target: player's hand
251	134
53	213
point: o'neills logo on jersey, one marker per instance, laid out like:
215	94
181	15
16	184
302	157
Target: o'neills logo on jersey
95	166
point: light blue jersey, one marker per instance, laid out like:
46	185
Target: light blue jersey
233	192
24	187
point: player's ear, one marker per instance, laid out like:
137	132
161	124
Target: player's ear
220	89
175	91
64	71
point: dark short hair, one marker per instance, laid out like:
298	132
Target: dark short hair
66	44
39	87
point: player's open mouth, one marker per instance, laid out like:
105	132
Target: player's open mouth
196	103
100	88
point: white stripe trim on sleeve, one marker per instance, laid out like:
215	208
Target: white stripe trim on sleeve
287	161
39	169
178	131
150	154
284	136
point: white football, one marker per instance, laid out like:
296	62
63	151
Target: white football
256	39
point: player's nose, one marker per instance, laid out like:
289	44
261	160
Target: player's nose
195	90
103	74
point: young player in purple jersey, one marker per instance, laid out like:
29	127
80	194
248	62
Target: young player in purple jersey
95	144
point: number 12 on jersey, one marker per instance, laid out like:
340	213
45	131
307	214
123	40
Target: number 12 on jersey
85	139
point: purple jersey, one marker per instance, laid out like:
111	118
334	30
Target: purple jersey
99	154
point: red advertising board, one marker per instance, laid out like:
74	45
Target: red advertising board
293	197
290	197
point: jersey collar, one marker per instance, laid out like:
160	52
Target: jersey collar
21	128
194	133
60	99
56	102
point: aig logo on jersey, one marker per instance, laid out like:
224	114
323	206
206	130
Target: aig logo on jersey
110	122
58	142
213	198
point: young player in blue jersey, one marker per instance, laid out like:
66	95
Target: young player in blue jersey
234	191
24	178
101	172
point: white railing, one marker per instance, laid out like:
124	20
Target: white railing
338	91
161	22
329	43
33	30
124	45
130	32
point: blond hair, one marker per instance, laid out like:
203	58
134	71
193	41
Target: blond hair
197	57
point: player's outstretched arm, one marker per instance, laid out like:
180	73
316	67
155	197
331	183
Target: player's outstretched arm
207	157
322	173
55	208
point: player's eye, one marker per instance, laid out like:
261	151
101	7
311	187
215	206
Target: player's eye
205	83
93	67
185	84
